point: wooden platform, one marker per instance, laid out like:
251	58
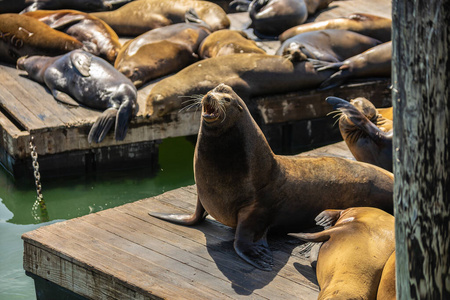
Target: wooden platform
27	109
123	253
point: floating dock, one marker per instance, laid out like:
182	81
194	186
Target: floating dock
123	253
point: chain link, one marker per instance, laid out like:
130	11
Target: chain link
39	204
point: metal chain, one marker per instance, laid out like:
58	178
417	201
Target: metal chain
39	204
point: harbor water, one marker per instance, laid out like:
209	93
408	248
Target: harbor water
67	198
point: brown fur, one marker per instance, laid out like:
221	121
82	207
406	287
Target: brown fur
387	289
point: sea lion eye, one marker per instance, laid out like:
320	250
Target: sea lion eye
228	99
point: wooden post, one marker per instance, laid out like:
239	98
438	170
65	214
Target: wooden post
421	86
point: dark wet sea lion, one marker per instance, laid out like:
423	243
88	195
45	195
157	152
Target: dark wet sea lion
82	5
367	134
376	27
226	42
353	253
244	185
374	62
160	51
98	38
91	81
249	74
272	17
331	45
387	289
138	17
23	35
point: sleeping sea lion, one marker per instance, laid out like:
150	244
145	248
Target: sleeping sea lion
331	45
160	51
249	74
226	42
367	133
138	17
83	5
376	27
98	38
353	253
374	62
386	288
243	184
25	36
91	81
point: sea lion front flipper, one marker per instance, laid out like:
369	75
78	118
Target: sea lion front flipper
64	98
328	217
184	219
81	61
102	125
250	241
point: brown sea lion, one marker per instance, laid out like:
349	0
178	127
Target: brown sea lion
353	253
331	45
376	27
23	35
244	185
226	42
367	133
387	289
374	62
91	81
316	5
249	74
98	38
138	17
83	5
160	51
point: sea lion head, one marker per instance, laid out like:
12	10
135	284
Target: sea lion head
365	106
295	52
35	66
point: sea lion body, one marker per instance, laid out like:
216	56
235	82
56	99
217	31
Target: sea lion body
374	62
91	81
272	17
249	74
138	17
25	36
367	133
331	45
82	5
226	42
354	252
386	288
376	27
160	51
244	185
98	38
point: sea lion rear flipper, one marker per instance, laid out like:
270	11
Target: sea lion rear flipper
191	16
102	125
334	80
184	219
81	62
328	217
250	241
64	98
66	20
123	117
239	5
321	236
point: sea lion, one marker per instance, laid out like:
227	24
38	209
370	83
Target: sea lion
23	35
98	38
353	253
249	74
331	45
367	133
374	62
82	5
370	25
272	17
386	288
160	51
244	185
226	42
90	80
138	17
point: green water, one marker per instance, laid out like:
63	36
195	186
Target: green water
68	198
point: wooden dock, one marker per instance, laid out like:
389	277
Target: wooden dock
292	122
123	253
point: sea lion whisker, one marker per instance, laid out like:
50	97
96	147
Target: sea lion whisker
188	107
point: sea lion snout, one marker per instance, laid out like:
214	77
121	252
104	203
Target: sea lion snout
21	63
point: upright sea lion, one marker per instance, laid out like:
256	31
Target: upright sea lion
376	27
93	82
226	42
374	62
249	74
367	134
160	51
138	17
25	36
353	253
386	288
98	38
244	185
331	45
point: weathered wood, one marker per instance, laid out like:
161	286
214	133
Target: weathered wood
421	68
